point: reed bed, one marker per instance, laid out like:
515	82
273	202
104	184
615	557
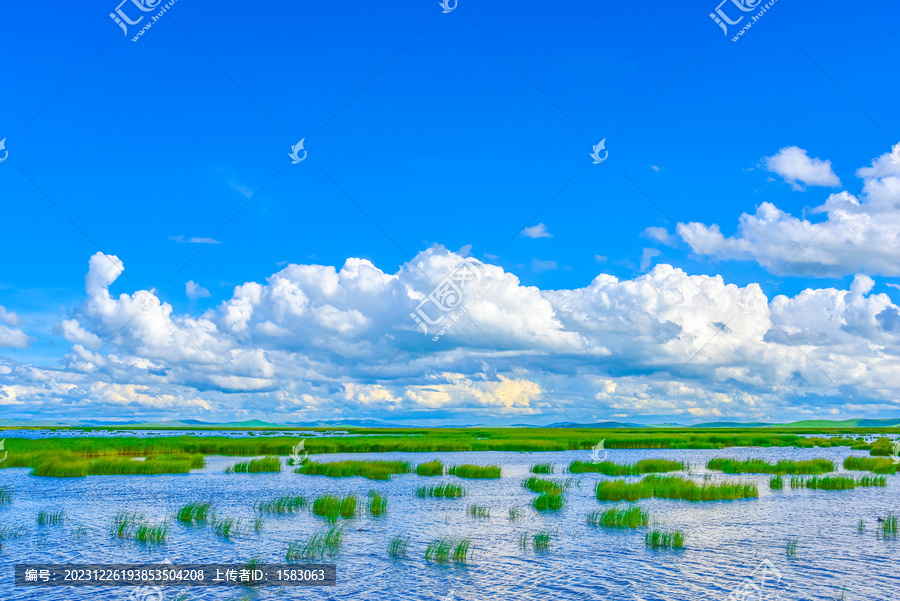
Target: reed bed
442	491
373	470
837	482
377	503
51	518
663	539
444	550
194	513
876	465
286	504
776	482
645	466
541	541
397	546
256	466
674	487
134	526
549	501
331	507
759	466
542	468
477	511
432	468
633	517
889	526
474	471
540	485
325	542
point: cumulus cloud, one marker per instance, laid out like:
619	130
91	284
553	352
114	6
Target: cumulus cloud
195	290
320	342
858	234
537	231
798	169
661	235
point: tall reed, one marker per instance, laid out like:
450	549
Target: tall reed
673	487
373	470
474	471
760	466
432	468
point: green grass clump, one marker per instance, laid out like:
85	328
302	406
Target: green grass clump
7	533
255	466
889	526
776	482
193	513
542	468
549	501
5	495
133	526
330	507
477	511
443	550
861	526
226	528
398	545
659	539
286	504
51	518
837	482
593	518
759	466
791	549
634	517
474	471
513	513
373	470
442	491
432	468
541	541
876	465
124	523
540	485
673	487
377	503
148	533
645	466
327	542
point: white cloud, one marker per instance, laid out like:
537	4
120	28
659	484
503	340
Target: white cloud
661	235
647	257
193	240
857	234
537	231
195	290
797	169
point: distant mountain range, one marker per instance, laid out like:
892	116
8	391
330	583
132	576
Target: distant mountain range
371	423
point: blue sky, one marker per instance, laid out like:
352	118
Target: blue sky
428	133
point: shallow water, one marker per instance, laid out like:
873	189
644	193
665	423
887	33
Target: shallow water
725	541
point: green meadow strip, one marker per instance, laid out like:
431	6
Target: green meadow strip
373	470
673	487
759	466
474	471
645	466
876	465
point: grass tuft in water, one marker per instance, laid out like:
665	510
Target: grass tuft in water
549	501
776	482
645	466
633	517
541	541
255	466
662	539
286	504
861	526
325	542
443	491
193	513
51	518
759	466
477	511
373	470
331	507
398	545
791	548
889	526
226	528
673	487
7	533
444	550
542	468
540	485
432	468
837	482
474	471
513	513
5	495
377	503
876	465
